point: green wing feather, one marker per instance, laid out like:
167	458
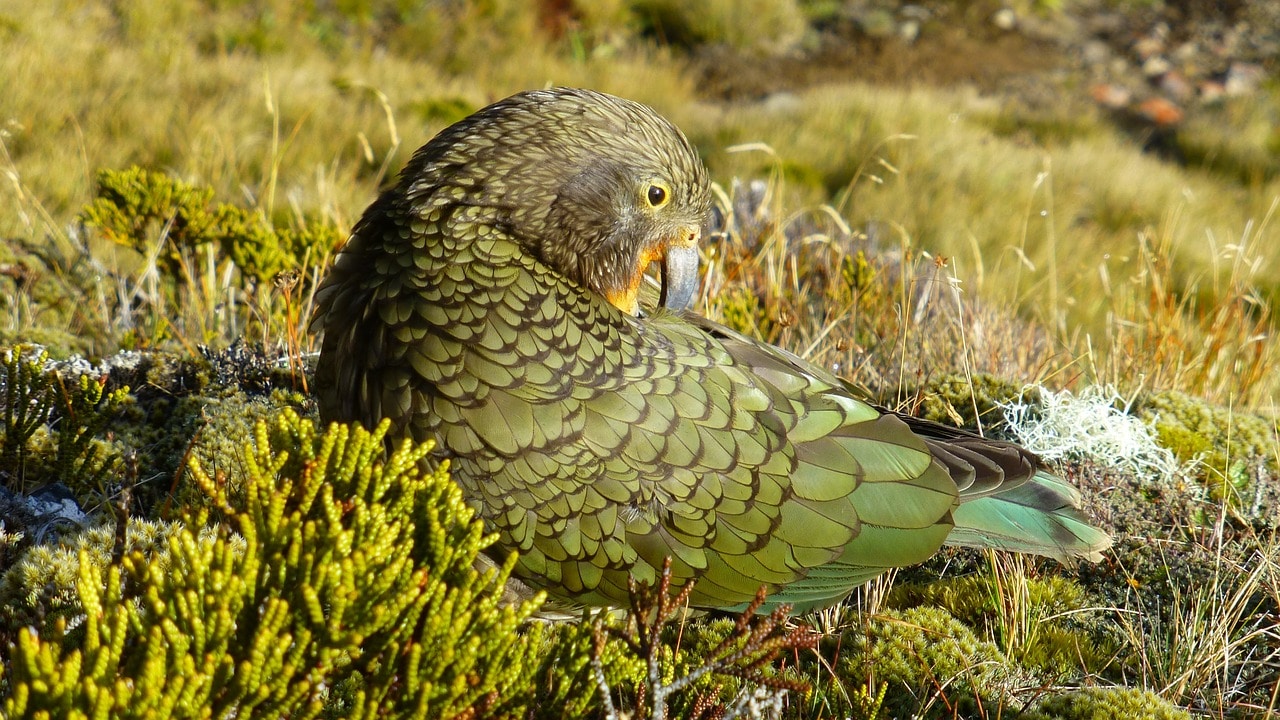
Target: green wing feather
598	445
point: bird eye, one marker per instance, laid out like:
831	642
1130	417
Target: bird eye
656	195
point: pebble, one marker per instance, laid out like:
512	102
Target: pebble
1160	112
1243	78
1110	95
1175	85
1005	19
1155	66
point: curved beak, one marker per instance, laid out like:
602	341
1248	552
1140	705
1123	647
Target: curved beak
680	276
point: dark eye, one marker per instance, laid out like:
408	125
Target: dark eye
657	195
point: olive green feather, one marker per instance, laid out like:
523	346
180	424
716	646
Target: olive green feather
472	305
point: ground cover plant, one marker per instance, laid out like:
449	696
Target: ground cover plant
176	175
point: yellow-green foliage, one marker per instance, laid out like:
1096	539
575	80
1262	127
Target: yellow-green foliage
342	583
1249	153
43	583
170	220
756	25
52	422
740	309
1232	447
924	654
971	402
568	689
1032	621
1106	704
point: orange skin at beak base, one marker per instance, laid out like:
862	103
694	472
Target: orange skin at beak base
627	298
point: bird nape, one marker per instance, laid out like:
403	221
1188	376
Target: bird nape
490	301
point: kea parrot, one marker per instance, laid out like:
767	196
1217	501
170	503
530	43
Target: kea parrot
490	301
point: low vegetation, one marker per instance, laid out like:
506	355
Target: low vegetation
168	211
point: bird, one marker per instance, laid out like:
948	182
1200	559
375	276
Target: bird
491	301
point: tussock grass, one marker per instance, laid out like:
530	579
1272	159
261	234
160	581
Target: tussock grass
891	235
1039	226
1209	645
302	114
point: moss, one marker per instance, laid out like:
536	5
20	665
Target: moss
1235	451
444	110
970	401
59	343
1037	620
41	584
1105	704
924	654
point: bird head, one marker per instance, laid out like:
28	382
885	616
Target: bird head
594	186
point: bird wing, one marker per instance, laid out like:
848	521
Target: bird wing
599	444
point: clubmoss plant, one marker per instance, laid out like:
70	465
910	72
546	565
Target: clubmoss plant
52	422
170	220
341	581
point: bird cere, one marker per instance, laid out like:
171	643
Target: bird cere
490	301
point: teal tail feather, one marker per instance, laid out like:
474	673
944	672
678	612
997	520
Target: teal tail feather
1041	516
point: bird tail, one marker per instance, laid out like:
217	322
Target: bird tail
1041	516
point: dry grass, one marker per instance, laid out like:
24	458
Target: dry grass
1210	644
302	115
1038	226
894	235
1210	334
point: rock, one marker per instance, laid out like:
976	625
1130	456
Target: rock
915	12
1110	95
1160	112
45	514
1095	52
909	30
1106	23
1005	19
1175	85
1212	91
1147	47
1243	78
1186	52
877	23
1155	66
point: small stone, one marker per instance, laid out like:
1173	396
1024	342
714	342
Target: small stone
1212	91
877	23
1160	112
1147	47
915	12
1105	23
1155	66
1243	78
1095	52
909	30
1110	95
1005	19
1175	85
1186	52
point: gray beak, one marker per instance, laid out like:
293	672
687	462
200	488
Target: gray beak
680	277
